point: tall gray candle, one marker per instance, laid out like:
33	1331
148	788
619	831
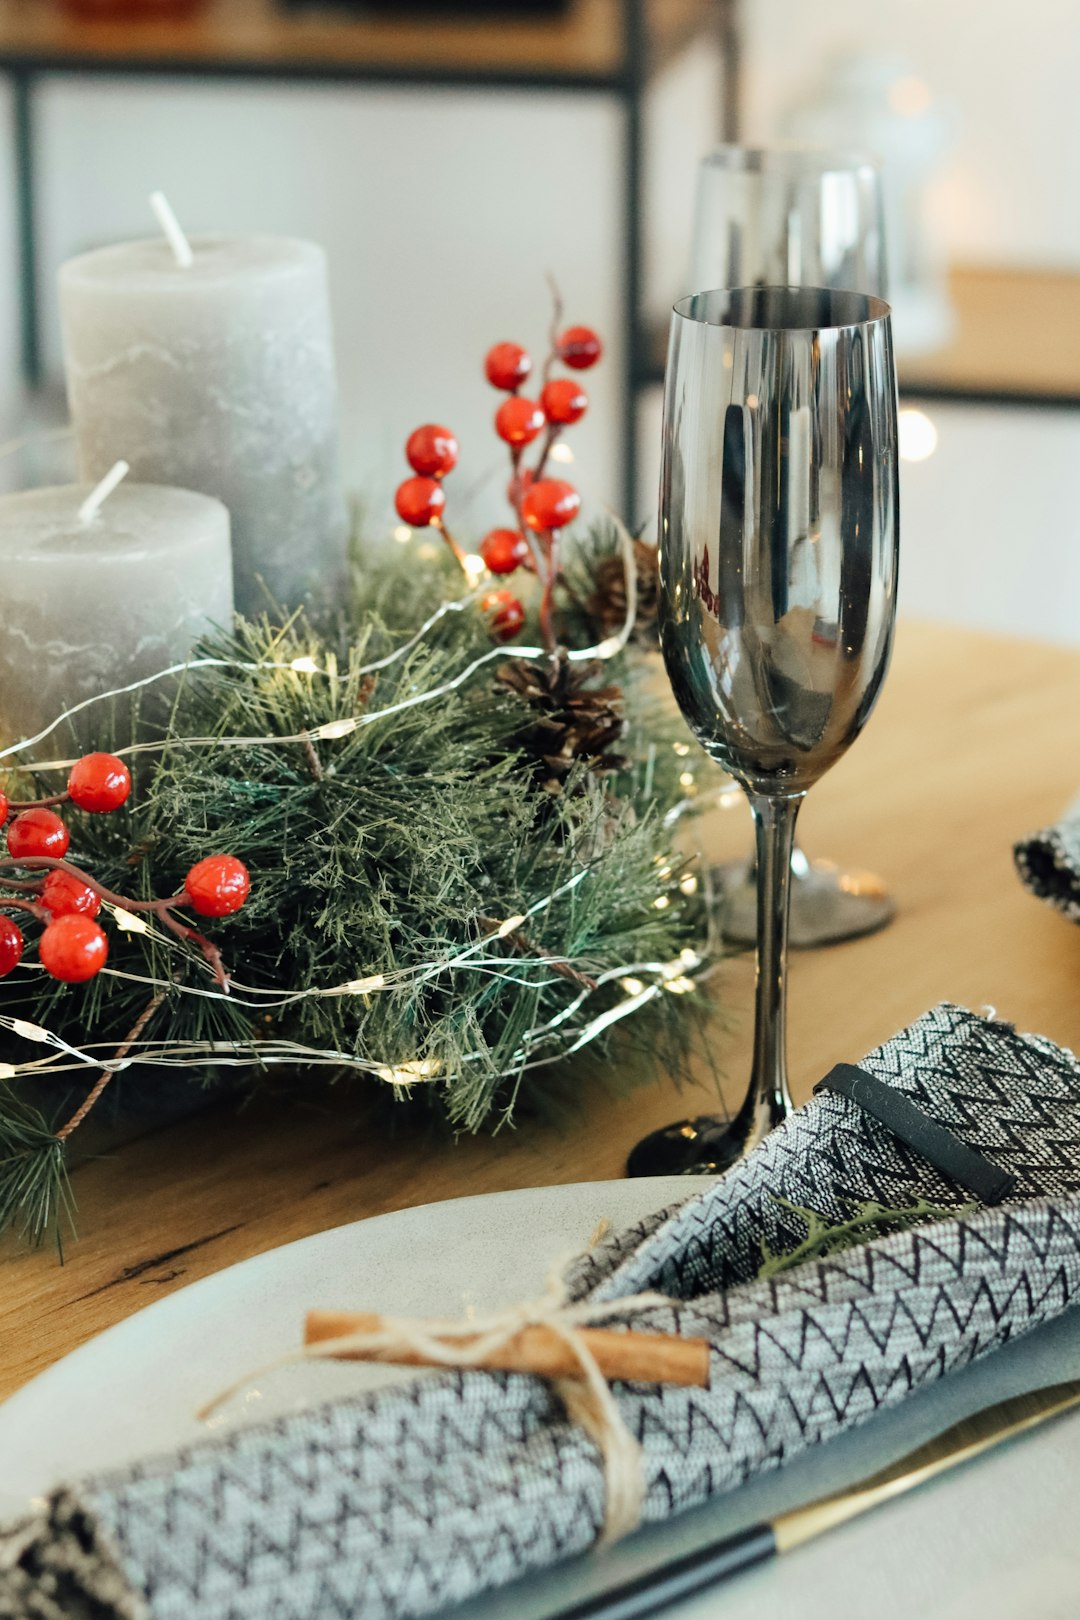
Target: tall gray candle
218	376
88	604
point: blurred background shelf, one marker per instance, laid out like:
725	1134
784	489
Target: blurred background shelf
592	44
1017	340
614	49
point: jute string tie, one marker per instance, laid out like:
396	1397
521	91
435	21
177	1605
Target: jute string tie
589	1401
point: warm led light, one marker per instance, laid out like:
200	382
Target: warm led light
128	921
730	798
633	987
680	985
29	1032
609	647
686	779
665	869
689	958
475	567
682	749
510	926
689	885
561	452
661	902
909	96
918	435
403	534
407	1074
360	987
335	728
8	1071
427	552
305	666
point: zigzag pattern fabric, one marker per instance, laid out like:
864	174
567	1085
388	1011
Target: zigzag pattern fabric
1049	863
414	1499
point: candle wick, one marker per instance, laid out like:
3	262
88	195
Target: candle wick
101	492
173	232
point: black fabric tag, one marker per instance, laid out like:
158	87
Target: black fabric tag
946	1152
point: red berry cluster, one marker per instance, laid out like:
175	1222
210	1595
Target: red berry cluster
73	946
542	506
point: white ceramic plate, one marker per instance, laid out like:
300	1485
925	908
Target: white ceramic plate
996	1540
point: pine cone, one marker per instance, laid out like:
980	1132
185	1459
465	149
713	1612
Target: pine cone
571	723
607	604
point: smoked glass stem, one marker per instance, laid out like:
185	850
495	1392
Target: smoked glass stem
774	825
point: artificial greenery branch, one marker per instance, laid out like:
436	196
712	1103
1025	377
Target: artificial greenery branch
446	895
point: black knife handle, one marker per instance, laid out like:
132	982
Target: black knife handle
679	1579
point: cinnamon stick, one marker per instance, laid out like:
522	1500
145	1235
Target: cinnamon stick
647	1358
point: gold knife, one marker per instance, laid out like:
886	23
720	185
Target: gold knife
681	1577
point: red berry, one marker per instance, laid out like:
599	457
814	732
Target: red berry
518	420
504	550
505	614
550	504
73	949
11	946
37	832
419	501
579	347
5	806
431	450
564	400
507	365
99	782
217	886
64	894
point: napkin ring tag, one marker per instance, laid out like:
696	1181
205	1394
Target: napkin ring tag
907	1121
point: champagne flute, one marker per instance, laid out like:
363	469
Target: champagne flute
794	216
778	566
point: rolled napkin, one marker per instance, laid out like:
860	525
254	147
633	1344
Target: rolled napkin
407	1501
1049	863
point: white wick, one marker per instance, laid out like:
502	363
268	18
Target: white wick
101	492
171	226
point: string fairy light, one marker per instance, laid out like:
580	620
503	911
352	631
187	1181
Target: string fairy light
62	1056
333	730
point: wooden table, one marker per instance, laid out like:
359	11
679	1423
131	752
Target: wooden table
976	742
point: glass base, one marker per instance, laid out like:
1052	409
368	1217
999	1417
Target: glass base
827	905
704	1146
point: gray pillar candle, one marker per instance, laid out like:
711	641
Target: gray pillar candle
217	376
88	605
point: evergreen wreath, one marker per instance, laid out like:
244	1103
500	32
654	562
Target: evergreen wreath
461	860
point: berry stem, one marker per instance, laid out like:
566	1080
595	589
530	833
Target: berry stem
547	628
12	903
556	322
458	553
515	500
15	805
107	1073
162	909
553	432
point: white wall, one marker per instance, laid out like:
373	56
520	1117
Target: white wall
437	229
1009	73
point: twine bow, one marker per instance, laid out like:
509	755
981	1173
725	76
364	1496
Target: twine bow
588	1400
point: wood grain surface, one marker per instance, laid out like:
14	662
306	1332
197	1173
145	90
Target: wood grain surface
976	741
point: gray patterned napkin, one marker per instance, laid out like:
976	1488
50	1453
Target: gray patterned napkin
410	1500
1049	863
